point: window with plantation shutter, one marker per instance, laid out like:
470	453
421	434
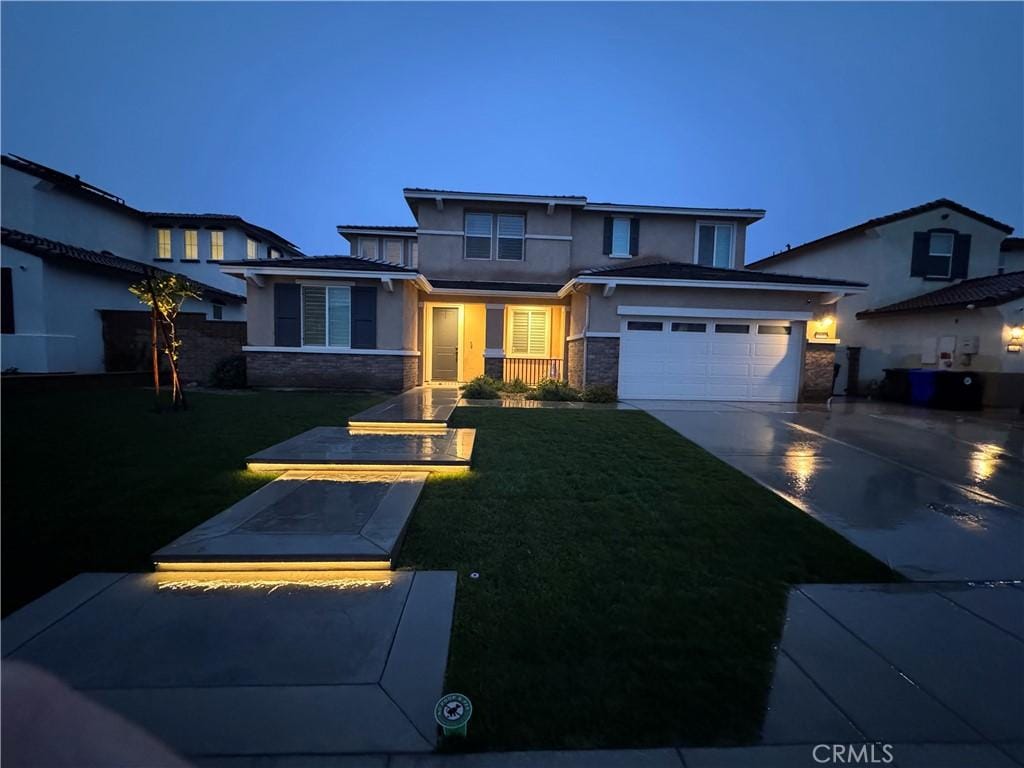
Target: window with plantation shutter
326	316
478	235
529	336
510	237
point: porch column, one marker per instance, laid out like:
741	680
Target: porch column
494	344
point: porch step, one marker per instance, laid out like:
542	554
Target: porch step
354	449
304	520
420	408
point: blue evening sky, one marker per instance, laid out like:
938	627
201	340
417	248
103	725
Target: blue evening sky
300	117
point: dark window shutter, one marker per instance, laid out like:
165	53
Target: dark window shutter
287	314
364	317
7	299
961	256
634	237
607	235
919	258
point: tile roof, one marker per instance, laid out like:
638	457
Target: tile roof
942	202
677	270
979	292
100	260
491	194
341	263
1012	244
382	228
487	285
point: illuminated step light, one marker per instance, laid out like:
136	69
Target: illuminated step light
272	565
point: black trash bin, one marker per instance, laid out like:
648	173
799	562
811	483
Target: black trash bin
895	387
958	390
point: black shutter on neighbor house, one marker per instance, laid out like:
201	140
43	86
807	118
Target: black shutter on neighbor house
287	315
919	258
7	300
634	237
608	223
961	256
364	317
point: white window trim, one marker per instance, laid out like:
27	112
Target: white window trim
184	254
948	257
401	251
327	317
510	312
629	238
732	243
333	350
465	239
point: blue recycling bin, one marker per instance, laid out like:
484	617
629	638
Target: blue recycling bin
922	385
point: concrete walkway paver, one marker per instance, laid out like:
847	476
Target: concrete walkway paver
416	407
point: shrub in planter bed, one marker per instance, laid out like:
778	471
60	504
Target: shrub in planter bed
481	388
552	389
599	393
230	373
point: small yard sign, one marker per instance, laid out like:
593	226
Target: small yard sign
452	713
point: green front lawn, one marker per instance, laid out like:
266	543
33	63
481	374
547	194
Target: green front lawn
96	481
631	586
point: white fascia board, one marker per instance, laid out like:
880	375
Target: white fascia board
374	232
722	213
479	292
752	314
800	287
335	351
412	194
306	272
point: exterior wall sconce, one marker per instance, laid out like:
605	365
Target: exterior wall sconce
822	326
1016	339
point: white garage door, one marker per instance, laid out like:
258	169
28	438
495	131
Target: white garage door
708	359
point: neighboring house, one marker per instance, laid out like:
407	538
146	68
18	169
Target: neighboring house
652	301
71	249
946	291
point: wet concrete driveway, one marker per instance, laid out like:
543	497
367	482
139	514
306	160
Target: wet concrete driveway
937	495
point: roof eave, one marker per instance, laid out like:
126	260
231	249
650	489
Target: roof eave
579	280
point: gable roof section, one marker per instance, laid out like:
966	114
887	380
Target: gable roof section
677	270
988	291
340	263
104	261
857	229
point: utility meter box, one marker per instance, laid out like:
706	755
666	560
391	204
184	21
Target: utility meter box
968	345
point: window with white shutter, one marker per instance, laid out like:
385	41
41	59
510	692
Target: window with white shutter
478	235
510	237
529	333
326	316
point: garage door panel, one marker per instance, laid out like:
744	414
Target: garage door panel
708	366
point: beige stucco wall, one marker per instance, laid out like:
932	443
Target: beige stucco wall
604	316
396	311
881	258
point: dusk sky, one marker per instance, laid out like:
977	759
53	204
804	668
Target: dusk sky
300	117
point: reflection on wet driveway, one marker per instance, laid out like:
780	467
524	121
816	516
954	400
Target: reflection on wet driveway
938	496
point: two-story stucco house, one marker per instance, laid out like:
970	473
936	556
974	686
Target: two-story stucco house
651	300
70	250
946	291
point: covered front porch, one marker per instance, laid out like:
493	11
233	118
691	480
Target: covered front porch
504	337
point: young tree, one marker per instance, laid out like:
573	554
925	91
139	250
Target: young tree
164	294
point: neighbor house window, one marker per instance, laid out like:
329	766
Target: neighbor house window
218	311
393	251
479	227
529	332
511	231
620	237
216	245
191	244
251	249
326	316
715	245
414	254
368	247
940	254
273	253
163	244
6	300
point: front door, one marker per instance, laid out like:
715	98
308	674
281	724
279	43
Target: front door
445	354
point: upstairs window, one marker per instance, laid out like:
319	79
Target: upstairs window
940	254
6	300
414	254
368	247
511	234
479	227
218	311
326	316
216	245
251	249
715	245
620	237
273	253
163	244
393	251
528	335
191	245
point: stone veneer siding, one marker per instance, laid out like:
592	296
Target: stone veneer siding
326	371
819	360
494	367
574	363
602	362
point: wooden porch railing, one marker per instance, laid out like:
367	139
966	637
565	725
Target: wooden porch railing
531	369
